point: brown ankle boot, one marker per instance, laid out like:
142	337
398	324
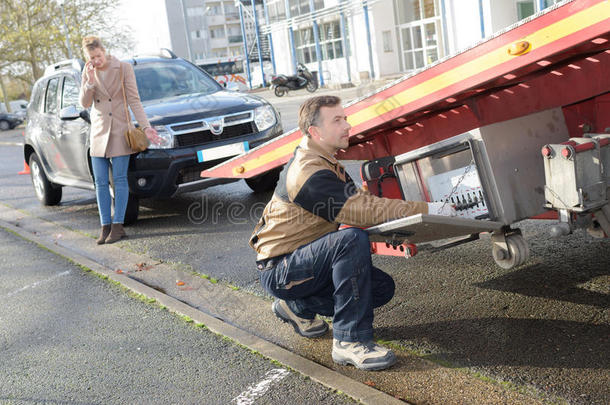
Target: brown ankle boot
103	234
116	233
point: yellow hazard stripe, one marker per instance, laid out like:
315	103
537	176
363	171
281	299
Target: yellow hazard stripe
267	157
544	36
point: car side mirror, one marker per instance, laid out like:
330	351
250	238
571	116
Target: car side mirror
69	113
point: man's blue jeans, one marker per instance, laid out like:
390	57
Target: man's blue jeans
333	276
100	165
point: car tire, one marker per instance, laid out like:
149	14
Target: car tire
264	182
47	193
5	125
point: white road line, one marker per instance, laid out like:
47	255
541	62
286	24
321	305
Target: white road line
258	390
36	284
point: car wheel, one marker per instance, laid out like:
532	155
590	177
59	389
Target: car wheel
47	193
264	182
5	125
311	87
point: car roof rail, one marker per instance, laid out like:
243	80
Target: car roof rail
76	64
163	53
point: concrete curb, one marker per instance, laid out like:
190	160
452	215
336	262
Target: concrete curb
316	372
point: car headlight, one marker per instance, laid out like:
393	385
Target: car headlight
167	139
264	117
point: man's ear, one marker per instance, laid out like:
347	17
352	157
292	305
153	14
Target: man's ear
314	132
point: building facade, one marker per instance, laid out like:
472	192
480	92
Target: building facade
345	41
355	40
202	31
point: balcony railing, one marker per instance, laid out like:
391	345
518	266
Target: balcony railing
234	39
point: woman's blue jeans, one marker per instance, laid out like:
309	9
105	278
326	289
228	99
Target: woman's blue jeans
120	165
332	276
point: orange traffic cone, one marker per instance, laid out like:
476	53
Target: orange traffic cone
26	168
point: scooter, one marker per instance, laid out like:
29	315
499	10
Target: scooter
303	79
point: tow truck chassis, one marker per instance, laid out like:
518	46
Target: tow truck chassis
497	130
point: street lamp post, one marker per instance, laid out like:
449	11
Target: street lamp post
189	47
66	33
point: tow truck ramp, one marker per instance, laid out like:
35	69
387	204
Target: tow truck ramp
485	129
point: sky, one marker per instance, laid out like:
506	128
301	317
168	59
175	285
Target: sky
147	19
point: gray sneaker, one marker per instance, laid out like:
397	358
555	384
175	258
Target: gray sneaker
365	356
305	327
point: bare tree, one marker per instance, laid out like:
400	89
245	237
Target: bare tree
32	35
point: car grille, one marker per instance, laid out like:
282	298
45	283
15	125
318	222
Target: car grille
205	136
191	173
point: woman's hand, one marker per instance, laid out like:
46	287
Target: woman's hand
90	69
153	136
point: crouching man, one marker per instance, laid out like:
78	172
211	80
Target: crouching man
311	266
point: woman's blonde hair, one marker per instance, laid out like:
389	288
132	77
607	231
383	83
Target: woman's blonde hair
92	42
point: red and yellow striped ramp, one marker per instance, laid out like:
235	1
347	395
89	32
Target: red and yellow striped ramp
559	57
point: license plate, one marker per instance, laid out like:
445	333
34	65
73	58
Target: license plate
219	152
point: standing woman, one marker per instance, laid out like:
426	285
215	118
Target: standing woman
102	91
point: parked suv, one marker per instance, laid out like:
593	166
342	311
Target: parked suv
201	123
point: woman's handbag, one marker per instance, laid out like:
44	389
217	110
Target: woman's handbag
135	137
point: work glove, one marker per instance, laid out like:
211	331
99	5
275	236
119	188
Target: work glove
441	208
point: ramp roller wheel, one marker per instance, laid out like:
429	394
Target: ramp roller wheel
517	253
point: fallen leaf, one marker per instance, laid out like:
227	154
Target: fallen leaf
142	266
178	282
119	271
370	383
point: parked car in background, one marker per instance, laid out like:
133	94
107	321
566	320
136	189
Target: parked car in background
201	123
9	121
18	107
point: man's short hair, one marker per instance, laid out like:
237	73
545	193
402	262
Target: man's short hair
310	111
92	42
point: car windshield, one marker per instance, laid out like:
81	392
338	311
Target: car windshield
160	80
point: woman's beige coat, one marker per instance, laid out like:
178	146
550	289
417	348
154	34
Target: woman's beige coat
108	120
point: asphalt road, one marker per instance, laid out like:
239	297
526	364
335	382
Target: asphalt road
542	327
67	336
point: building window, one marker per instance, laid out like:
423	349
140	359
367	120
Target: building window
387	41
300	7
231	12
304	44
525	9
549	3
420	32
234	34
330	40
218	32
215	10
195	11
414	10
276	10
196	34
331	44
